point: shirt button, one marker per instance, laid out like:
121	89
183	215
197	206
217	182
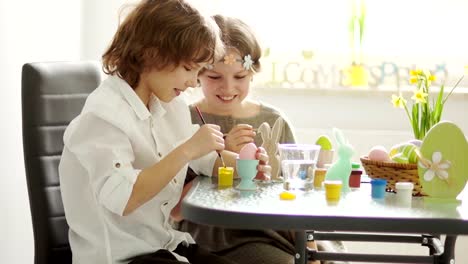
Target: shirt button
165	203
117	165
159	154
175	180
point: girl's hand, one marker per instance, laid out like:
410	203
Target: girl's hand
208	138
264	170
239	135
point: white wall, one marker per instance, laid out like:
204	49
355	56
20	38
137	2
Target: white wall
30	30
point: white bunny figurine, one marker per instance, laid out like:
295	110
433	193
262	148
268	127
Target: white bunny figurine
271	137
341	168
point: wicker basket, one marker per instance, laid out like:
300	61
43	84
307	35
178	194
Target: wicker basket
393	172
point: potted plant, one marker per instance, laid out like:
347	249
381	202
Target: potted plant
425	113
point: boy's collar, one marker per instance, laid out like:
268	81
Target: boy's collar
135	102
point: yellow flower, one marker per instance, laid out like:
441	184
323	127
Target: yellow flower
419	96
421	75
424	113
413	80
398	101
415	72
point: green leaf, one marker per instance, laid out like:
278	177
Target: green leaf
453	88
415	120
438	106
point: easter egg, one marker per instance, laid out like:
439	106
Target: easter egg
407	150
324	142
248	152
378	153
447	141
400	158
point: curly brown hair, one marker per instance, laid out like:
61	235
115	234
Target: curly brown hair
159	34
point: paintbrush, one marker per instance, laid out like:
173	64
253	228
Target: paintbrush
204	122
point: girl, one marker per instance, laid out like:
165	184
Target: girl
226	86
226	102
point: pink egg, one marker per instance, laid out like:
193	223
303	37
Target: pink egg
248	151
378	153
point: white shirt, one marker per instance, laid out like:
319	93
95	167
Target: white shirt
106	147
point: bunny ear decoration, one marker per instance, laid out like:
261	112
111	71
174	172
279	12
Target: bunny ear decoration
339	137
277	128
264	130
270	143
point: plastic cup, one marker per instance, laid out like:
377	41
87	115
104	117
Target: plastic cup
333	190
404	193
319	177
298	163
225	177
378	188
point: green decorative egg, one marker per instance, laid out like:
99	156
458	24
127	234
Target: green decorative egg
324	142
443	168
406	150
400	158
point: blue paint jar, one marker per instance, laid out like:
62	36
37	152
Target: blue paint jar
378	188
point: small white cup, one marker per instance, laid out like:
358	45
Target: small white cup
404	193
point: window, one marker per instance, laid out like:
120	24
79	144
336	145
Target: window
309	41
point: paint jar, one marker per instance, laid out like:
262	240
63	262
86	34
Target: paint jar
404	193
378	188
332	190
319	177
355	176
225	177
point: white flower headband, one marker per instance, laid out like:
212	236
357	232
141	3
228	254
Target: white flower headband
229	59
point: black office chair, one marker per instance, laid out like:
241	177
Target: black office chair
52	94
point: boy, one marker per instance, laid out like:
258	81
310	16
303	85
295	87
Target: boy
126	155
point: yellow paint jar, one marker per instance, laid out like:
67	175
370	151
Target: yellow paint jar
225	177
319	177
333	190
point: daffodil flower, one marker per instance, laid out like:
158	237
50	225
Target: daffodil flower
414	80
423	115
419	96
247	62
436	167
229	59
415	72
398	101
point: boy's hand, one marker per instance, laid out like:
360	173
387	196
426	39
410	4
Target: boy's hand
264	170
208	138
176	213
239	135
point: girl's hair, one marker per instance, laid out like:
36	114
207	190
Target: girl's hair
238	35
159	34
